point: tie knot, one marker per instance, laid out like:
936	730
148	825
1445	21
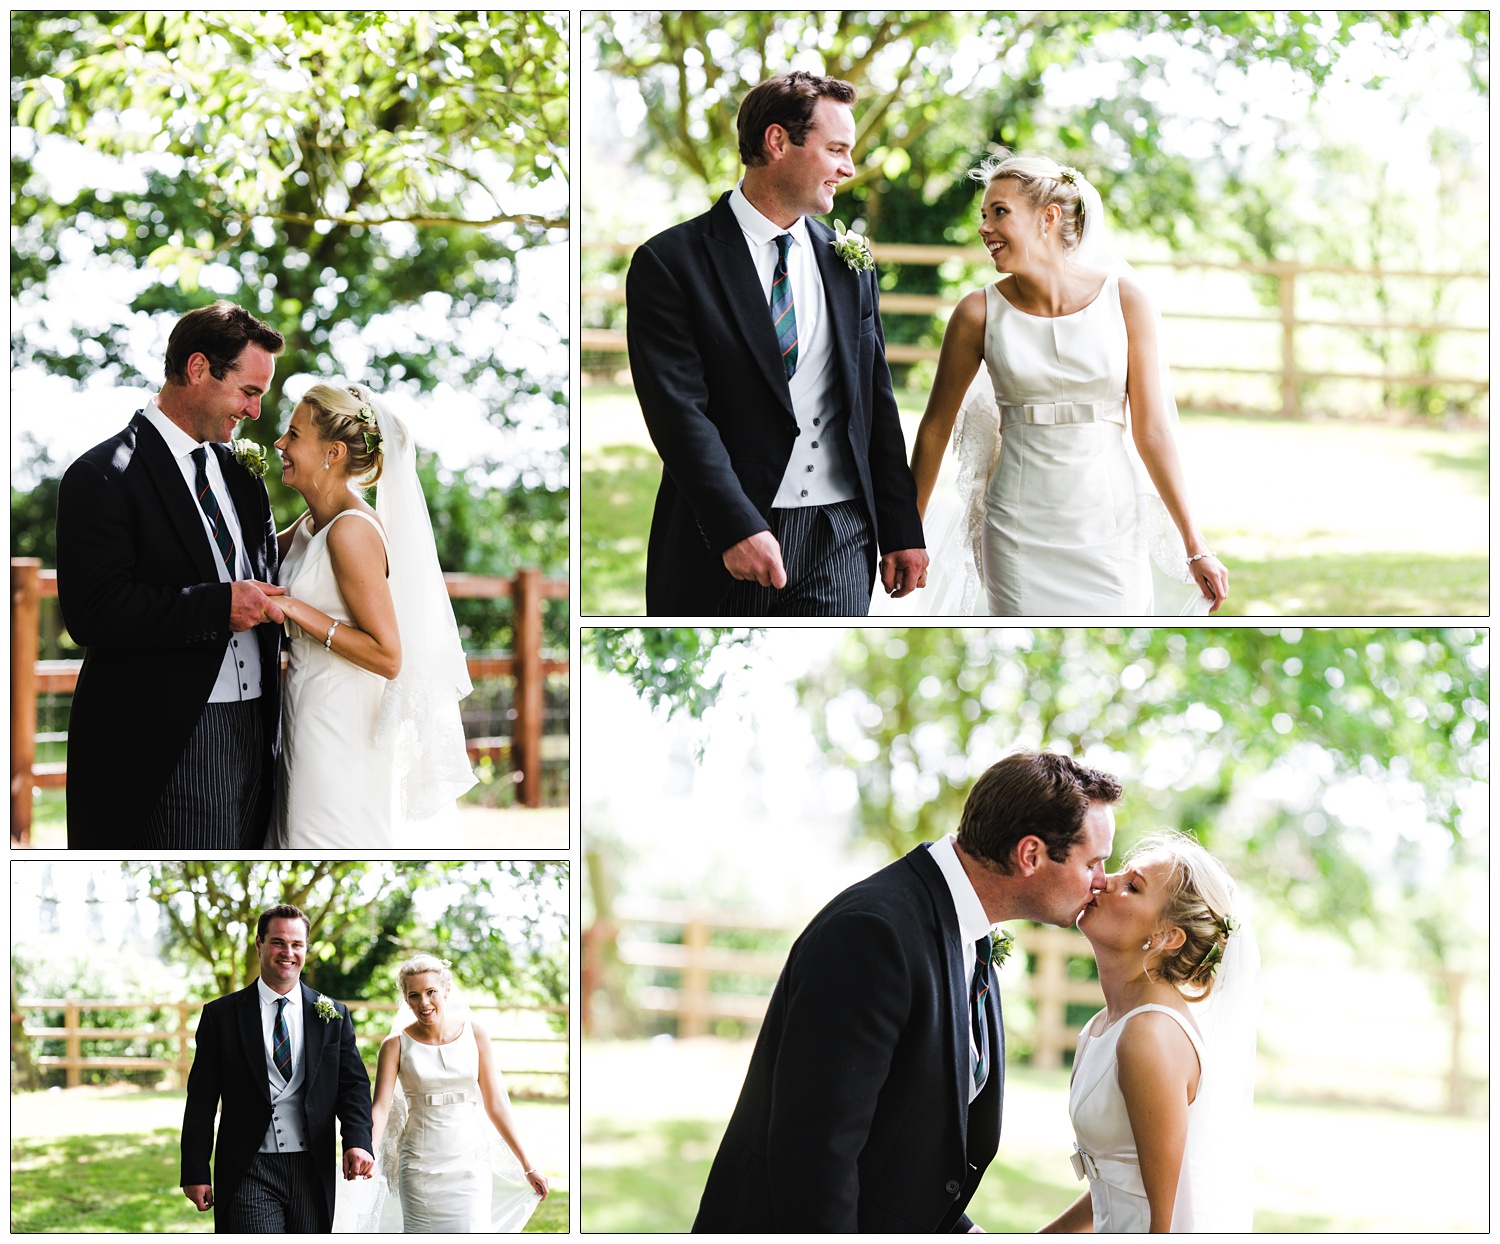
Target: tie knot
280	1002
783	245
200	456
986	949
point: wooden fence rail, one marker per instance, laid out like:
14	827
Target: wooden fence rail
73	1034
695	1003
1290	374
31	677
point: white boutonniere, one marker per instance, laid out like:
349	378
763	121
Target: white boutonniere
1001	943
249	455
852	248
324	1008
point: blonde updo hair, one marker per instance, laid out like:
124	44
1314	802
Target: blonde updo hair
418	964
1041	180
1199	900
335	417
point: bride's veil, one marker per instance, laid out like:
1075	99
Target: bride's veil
371	1207
419	715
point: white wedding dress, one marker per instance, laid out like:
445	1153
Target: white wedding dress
336	787
1105	1146
442	1167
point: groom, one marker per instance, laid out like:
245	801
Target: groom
759	361
165	554
872	1102
283	1060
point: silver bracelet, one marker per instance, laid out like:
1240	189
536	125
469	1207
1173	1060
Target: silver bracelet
1191	560
328	639
531	1172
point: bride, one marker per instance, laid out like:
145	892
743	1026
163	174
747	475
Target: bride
1069	487
435	1082
1164	1075
371	734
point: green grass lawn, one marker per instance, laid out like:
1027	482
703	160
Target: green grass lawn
651	1129
1313	519
77	1164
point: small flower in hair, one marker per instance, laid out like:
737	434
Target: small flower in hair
1068	174
1215	953
366	416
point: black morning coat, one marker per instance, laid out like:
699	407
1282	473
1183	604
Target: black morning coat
707	370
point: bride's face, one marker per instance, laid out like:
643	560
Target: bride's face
1127	912
302	453
1009	227
425	994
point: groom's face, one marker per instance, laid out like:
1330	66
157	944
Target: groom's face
1066	888
808	175
282	952
219	405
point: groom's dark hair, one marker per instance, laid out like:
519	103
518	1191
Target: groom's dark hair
220	332
282	911
1031	794
788	100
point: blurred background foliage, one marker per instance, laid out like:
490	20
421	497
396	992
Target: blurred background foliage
365	182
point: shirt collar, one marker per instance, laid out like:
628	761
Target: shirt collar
972	921
179	443
757	228
268	995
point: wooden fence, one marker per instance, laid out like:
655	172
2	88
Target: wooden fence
73	1034
695	1003
1290	375
31	677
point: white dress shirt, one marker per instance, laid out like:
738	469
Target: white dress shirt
239	672
285	1133
972	925
821	470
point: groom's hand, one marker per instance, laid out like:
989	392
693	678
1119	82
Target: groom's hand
201	1195
250	604
358	1164
903	572
757	557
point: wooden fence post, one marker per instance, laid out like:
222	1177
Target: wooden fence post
1291	397
72	1043
526	741
1050	987
25	621
693	1017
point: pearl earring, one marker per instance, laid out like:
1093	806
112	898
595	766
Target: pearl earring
1146	946
325	466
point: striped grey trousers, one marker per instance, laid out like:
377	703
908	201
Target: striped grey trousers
280	1192
828	552
210	802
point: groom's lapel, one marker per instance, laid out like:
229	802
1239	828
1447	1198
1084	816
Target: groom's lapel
314	1034
245	494
156	460
955	992
841	292
247	1013
724	242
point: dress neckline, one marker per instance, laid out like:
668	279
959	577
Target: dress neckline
1098	293
436	1045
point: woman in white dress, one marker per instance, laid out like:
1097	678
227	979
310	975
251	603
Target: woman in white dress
1070	485
1164	1076
371	734
449	1173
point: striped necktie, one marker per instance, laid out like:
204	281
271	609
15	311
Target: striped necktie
979	990
281	1042
783	312
210	504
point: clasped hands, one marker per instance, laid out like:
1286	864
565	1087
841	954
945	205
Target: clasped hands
758	558
251	603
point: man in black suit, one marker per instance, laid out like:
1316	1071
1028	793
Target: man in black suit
165	554
758	357
873	1098
282	1058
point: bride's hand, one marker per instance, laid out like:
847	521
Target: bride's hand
538	1183
1212	579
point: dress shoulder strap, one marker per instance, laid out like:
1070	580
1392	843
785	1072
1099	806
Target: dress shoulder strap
1187	1025
369	518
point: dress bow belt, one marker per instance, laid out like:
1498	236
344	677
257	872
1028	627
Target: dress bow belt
1084	1165
447	1099
1063	412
